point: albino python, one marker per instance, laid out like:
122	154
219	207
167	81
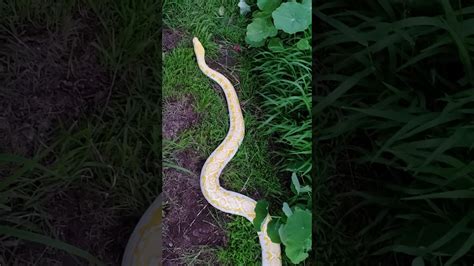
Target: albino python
144	246
222	199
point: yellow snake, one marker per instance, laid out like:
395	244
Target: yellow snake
222	199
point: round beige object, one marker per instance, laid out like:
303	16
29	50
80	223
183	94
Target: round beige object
144	246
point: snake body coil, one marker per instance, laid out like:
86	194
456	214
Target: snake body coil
222	199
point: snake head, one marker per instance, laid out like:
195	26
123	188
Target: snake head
198	48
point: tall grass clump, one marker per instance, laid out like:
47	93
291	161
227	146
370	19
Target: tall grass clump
395	104
285	78
281	66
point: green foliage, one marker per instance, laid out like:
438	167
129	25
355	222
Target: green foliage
201	19
296	186
273	230
287	210
303	44
275	45
294	229
291	17
261	212
285	71
296	232
285	74
418	261
259	30
244	7
394	115
242	245
296	235
268	5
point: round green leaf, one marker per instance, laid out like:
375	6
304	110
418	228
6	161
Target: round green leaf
272	230
307	3
254	44
260	29
296	235
287	210
292	17
294	179
261	211
275	45
262	14
244	8
418	261
268	5
303	44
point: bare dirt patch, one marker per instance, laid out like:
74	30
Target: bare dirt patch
227	56
225	64
226	60
178	115
170	39
46	77
188	222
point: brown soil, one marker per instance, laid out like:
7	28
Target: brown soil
178	116
85	219
225	64
171	39
226	59
46	77
188	222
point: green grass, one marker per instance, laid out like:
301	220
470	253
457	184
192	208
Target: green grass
394	118
242	247
250	167
203	255
202	19
286	77
285	96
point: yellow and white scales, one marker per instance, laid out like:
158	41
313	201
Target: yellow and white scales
144	247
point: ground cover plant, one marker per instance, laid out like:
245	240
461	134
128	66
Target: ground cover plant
284	67
394	114
81	133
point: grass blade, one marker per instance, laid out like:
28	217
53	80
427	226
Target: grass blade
34	237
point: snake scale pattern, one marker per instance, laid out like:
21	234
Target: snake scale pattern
220	198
